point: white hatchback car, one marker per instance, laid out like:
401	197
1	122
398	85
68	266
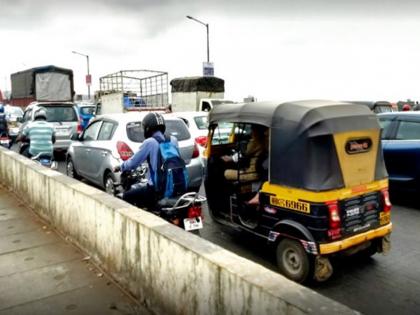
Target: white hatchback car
112	138
198	124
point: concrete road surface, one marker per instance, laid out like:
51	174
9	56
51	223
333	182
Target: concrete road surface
42	274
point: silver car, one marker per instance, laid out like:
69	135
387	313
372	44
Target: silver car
14	116
112	138
63	116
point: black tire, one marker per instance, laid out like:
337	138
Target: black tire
109	184
293	261
70	170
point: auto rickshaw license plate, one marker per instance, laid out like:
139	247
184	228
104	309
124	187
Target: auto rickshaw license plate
191	224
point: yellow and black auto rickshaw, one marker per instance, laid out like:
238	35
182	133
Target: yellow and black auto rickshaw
324	187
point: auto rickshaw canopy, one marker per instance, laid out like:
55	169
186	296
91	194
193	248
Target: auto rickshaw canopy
302	152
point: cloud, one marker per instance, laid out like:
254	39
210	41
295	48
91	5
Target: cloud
157	16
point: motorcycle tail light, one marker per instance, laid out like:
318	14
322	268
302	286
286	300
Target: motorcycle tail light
124	150
386	201
194	211
196	153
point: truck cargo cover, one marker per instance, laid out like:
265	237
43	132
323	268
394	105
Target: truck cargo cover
194	84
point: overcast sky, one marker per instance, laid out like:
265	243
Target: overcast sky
284	49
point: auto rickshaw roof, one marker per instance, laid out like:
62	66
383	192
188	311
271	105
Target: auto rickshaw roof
334	116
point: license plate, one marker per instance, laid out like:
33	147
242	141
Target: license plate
4	141
191	224
62	132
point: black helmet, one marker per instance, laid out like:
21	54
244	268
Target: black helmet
40	114
153	122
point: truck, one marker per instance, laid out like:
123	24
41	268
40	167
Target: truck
132	90
42	84
197	93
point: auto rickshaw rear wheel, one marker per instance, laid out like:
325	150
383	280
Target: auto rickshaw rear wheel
293	261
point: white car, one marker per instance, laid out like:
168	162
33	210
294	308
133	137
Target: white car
198	125
14	116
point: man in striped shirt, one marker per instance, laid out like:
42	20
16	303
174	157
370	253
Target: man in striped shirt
40	134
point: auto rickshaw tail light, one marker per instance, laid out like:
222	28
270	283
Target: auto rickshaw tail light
334	230
386	201
194	212
124	150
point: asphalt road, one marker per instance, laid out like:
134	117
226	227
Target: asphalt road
378	285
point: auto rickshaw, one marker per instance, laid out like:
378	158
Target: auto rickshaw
325	191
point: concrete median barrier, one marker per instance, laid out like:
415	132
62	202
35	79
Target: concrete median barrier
165	268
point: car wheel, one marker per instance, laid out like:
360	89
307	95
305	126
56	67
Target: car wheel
70	170
109	184
292	260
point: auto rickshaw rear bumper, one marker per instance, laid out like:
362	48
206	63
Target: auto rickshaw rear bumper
337	246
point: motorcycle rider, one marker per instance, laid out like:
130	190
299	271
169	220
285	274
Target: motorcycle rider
145	195
40	134
4	130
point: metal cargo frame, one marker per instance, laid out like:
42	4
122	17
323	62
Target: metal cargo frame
151	86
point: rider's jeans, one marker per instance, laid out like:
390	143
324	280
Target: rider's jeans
141	195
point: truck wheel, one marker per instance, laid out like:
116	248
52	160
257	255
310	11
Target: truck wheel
70	170
292	260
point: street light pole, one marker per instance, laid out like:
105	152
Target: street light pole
207	27
88	71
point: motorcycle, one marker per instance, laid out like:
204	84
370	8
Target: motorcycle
184	211
5	141
45	160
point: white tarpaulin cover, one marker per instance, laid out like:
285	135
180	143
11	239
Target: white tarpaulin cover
52	86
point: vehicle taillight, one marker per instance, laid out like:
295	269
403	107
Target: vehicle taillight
124	150
196	153
194	211
385	200
202	140
334	230
79	127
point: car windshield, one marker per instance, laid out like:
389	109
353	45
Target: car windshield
174	128
87	110
16	111
60	113
202	122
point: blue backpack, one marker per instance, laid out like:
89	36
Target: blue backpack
172	174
